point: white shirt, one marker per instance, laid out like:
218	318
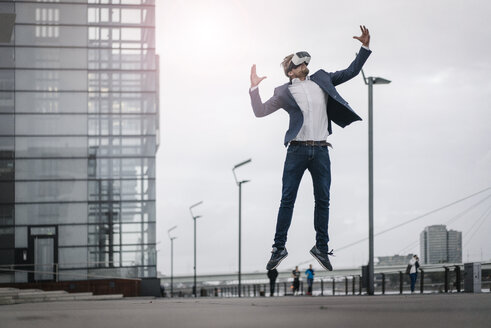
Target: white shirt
312	102
413	265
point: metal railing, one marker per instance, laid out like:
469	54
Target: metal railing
431	279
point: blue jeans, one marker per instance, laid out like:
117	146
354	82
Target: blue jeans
298	159
310	282
413	277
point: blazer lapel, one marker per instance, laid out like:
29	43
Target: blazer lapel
287	97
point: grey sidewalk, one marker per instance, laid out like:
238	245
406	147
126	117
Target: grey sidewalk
454	310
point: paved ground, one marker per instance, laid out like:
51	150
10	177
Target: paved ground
454	310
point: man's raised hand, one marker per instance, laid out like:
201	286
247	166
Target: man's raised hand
365	36
255	80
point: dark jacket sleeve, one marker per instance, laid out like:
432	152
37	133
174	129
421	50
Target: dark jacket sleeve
262	109
353	69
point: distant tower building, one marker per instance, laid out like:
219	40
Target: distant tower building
454	246
438	245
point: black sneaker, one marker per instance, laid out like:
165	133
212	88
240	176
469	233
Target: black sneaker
322	258
277	256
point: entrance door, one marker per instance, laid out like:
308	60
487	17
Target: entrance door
44	258
43	252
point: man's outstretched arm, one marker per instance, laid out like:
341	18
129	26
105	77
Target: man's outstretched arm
355	67
261	109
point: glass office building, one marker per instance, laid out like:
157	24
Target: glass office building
439	245
78	137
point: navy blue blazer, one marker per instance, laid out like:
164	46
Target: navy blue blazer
338	109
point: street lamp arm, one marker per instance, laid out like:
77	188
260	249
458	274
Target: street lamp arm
168	231
235	176
380	80
192	206
363	75
237	166
243	163
198	203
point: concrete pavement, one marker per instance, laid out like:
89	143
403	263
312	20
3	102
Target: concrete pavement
437	310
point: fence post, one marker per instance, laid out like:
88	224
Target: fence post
322	287
346	285
383	283
333	286
457	277
360	284
446	279
284	285
278	289
400	282
422	281
353	283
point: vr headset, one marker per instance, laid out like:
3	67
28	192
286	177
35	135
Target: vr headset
298	59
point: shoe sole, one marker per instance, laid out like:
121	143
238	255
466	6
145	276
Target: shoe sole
278	263
322	265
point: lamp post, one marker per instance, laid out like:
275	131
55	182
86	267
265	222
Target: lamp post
194	219
239	184
370	81
171	261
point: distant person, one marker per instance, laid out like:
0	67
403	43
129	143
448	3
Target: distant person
272	275
310	279
162	291
296	280
412	269
312	103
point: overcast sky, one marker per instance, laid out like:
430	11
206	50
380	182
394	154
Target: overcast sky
432	136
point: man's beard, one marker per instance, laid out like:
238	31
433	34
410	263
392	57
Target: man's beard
304	72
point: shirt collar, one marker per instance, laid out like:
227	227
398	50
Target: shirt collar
297	80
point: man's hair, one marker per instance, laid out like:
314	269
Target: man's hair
286	63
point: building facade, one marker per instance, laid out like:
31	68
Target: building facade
438	245
78	136
454	246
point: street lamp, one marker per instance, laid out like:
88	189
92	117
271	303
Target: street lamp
239	184
194	219
171	261
370	81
